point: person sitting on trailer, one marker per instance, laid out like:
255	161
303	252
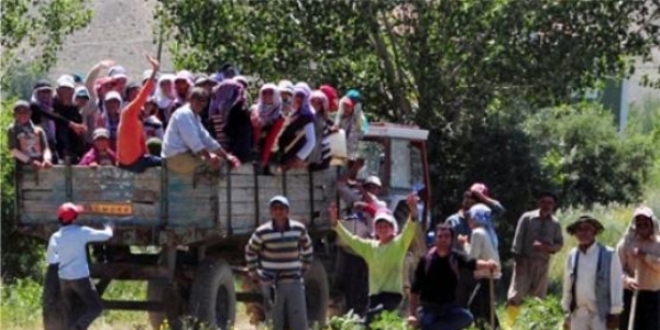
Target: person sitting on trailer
69	245
298	137
27	142
187	145
132	152
100	154
639	251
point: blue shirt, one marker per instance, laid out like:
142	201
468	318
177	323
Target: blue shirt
69	248
460	224
185	133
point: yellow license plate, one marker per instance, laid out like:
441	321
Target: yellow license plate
110	208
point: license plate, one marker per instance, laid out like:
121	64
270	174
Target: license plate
110	208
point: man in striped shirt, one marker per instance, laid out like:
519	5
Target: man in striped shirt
277	254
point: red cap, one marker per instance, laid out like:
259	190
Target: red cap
331	93
480	187
68	212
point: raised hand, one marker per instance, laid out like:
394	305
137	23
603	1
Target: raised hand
155	65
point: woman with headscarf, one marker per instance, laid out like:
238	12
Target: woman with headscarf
183	83
639	252
267	122
298	137
232	127
320	158
352	120
165	97
286	93
483	246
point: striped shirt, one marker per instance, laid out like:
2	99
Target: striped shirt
279	254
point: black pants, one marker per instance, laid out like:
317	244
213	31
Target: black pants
354	281
647	315
384	301
81	290
465	288
480	306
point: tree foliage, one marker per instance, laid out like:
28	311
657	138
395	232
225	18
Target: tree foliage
584	157
39	25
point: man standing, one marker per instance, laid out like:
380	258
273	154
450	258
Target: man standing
639	252
187	145
277	255
433	301
68	247
538	236
592	287
478	193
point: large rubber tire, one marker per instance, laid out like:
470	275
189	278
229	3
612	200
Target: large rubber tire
317	294
173	303
52	309
213	296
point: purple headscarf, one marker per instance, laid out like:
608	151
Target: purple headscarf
305	107
225	96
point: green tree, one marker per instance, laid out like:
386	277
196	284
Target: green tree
449	66
586	159
38	26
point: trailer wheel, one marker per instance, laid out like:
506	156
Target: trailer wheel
52	308
212	295
317	294
173	303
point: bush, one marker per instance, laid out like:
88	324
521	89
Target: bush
585	158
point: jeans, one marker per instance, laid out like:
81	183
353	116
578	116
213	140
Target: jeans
381	302
81	290
142	164
444	317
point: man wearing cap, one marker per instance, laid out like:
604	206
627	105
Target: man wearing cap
207	83
277	255
69	245
639	252
187	145
538	236
477	193
100	154
132	154
27	142
364	204
69	143
592	287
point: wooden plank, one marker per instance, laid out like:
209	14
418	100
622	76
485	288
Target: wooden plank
37	195
50	178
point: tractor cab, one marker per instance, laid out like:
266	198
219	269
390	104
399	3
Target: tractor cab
397	155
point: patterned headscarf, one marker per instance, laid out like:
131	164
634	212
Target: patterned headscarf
482	215
317	94
225	96
269	112
305	107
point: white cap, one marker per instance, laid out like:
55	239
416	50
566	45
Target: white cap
112	95
101	133
279	199
386	215
374	180
644	211
285	86
66	81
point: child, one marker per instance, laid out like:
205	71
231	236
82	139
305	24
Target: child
28	142
153	127
100	153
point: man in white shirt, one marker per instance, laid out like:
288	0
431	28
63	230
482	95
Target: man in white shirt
592	290
187	145
67	246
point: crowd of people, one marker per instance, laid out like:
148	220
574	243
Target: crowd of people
190	121
194	122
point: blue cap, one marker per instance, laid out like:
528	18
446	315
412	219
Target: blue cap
354	95
279	199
